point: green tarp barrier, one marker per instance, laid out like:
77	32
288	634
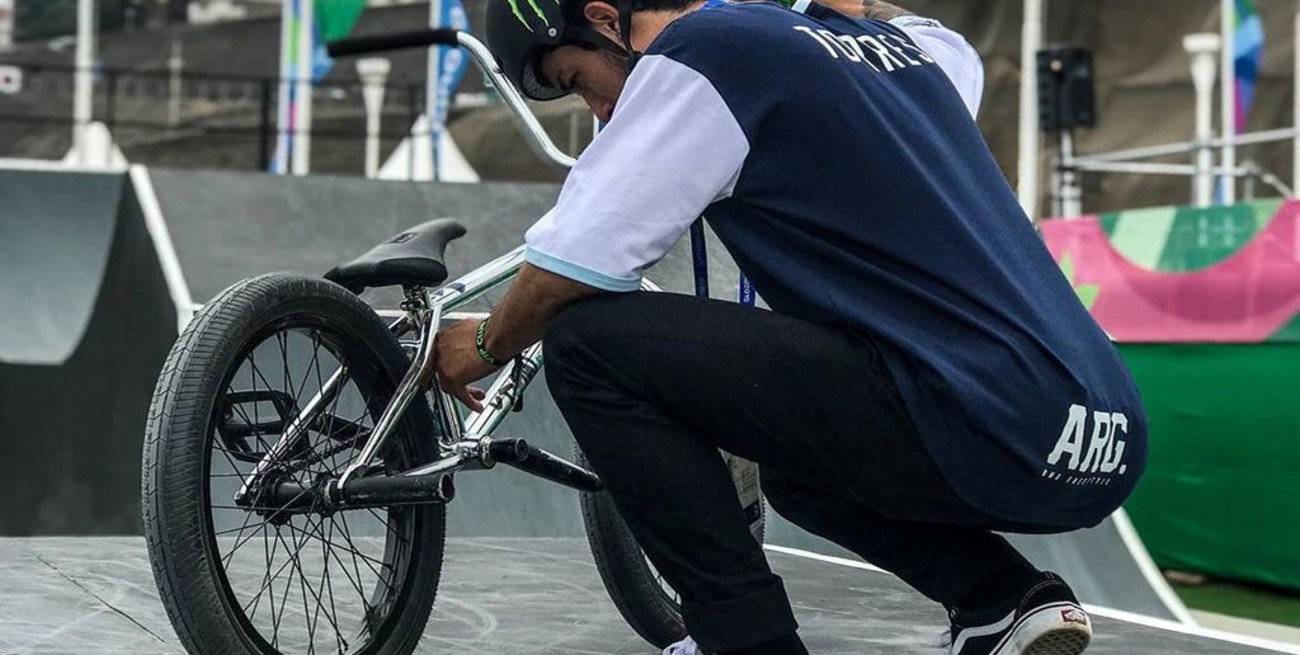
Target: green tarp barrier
1222	490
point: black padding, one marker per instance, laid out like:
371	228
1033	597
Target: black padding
413	258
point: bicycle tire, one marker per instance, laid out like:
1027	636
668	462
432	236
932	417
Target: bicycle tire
178	453
632	584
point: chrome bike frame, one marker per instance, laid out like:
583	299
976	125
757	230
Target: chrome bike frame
466	442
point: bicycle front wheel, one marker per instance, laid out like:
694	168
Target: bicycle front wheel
255	576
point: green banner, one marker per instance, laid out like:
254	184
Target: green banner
1221	494
336	18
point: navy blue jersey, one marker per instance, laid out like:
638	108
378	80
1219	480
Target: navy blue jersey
838	163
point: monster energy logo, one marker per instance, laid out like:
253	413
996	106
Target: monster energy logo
532	4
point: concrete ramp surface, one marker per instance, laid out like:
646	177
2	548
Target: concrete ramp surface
54	249
83	596
85	323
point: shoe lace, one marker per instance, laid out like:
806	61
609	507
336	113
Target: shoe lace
945	640
686	646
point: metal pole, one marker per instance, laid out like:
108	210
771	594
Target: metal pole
433	84
303	87
83	102
1228	97
174	67
1071	192
1203	49
1295	91
374	75
110	113
284	107
264	136
1253	173
413	119
6	24
1032	42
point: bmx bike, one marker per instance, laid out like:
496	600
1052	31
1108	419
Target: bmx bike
300	456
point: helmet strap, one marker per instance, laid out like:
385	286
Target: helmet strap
625	31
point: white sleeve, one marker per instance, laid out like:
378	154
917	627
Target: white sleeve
671	149
952	52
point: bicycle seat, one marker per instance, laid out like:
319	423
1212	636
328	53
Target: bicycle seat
413	258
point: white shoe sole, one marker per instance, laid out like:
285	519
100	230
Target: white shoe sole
1058	629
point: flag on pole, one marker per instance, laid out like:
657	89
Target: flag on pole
293	14
1248	51
306	26
447	66
335	19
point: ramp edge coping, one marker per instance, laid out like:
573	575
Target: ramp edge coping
163	245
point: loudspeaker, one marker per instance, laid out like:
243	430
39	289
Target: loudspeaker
1066	88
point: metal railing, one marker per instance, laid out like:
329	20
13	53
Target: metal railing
197	119
1067	193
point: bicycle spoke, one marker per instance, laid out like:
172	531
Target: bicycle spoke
240	529
247	517
328	583
315	362
268	585
347	536
282	340
364	557
269	548
284	596
388	527
304	586
320	602
303	549
338	468
272	517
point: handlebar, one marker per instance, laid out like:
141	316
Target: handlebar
536	135
364	45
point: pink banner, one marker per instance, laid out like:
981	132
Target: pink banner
1246	298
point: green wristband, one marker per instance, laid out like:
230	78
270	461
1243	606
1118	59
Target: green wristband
480	340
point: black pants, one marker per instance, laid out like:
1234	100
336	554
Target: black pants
653	384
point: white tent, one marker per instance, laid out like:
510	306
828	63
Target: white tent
452	165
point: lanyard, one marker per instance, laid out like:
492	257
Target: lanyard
700	264
699	246
700	259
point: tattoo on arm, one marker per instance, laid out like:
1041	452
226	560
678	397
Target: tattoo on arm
878	10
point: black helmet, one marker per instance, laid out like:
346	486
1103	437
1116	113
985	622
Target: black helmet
519	32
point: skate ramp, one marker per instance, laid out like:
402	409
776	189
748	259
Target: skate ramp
54	248
85	323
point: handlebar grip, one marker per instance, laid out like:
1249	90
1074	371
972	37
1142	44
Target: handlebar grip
384	42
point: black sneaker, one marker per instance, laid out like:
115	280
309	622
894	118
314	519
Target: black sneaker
1047	620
